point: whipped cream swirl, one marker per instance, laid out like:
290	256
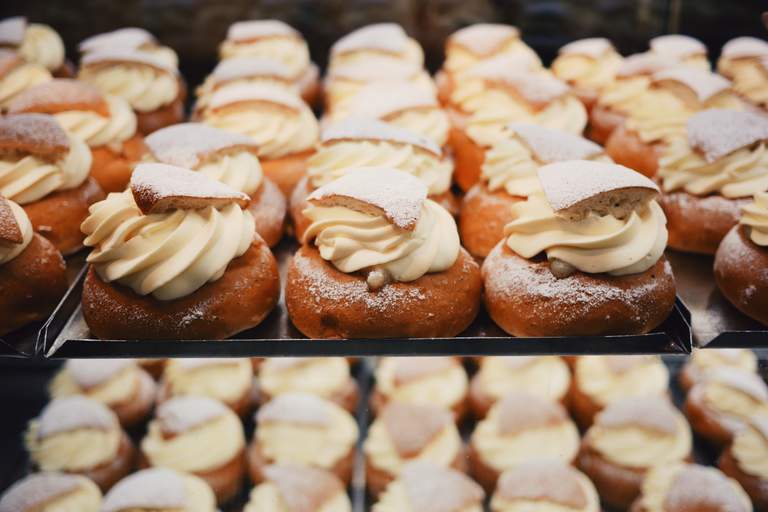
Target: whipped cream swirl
240	171
146	88
97	130
20	79
42	45
755	215
8	251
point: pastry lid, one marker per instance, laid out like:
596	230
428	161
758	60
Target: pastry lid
654	414
238	68
381	37
644	64
106	56
412	427
361	128
374	70
152	489
89	373
494	66
677	46
297	408
549	145
37	490
59	95
484	39
184	413
386	99
432	488
537	89
10	231
702	84
252	30
244	93
744	47
593	47
12	31
189	145
35	134
127	37
716	133
74	413
544	481
303	489
539	413
697	487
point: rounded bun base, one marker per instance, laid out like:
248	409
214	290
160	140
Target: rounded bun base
756	487
138	407
323	302
525	299
740	273
618	486
239	300
483	217
227	480
583	408
625	147
287	171
173	113
257	461
468	157
107	475
602	123
268	207
706	423
112	169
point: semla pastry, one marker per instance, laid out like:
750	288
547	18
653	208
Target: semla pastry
17	75
36	43
51	492
588	65
746	460
130	38
745	61
293	488
702	362
160	489
685	50
377	42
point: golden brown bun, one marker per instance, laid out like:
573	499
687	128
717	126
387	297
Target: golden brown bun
582	407
602	123
112	169
31	285
704	421
286	172
66	70
483	217
480	402
379	401
588	97
346	397
268	207
323	302
740	267
698	224
239	300
136	408
173	113
468	158
342	468
312	92
444	83
58	216
756	487
626	148
618	486
154	367
579	305
108	474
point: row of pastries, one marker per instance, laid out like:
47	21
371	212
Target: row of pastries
576	433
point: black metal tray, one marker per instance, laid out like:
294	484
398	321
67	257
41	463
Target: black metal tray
66	335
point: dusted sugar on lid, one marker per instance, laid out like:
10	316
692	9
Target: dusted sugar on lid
236	68
244	93
127	37
190	144
88	373
251	30
702	84
431	488
383	37
383	99
73	413
484	39
12	31
375	70
520	411
550	145
396	195
411	427
545	480
303	489
744	47
362	128
677	46
651	413
10	231
153	489
411	369
697	487
184	413
716	133
123	55
593	47
298	408
35	134
160	188
496	66
59	95
34	492
538	89
644	64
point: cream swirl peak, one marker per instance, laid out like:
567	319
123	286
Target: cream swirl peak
15	230
485	41
270	39
379	219
131	38
590	63
755	215
379	41
35	42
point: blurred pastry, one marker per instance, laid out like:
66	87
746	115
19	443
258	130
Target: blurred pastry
405	432
599	381
186	291
228	380
380	260
51	492
423	487
746	460
36	43
154	89
46	171
298	488
741	255
130	38
604	272
520	428
154	367
377	42
229	158
32	271
508	175
745	61
200	436
709	175
685	50
687	487
106	123
117	383
306	430
544	376
436	381
280	123
588	65
326	377
628	438
160	489
81	436
542	484
17	75
701	362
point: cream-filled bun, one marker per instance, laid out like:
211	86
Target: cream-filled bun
270	39
52	492
739	54
589	65
294	488
131	38
16	76
35	42
702	362
746	460
481	42
685	50
377	42
160	490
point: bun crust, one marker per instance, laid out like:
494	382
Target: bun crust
602	123
268	206
286	172
173	113
112	169
618	486
483	217
625	147
755	486
468	157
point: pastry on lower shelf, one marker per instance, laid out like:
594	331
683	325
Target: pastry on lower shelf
436	381
293	488
702	362
724	403
46	171
403	433
154	88
228	380
685	50
185	290
686	487
37	43
587	65
32	271
326	377
117	383
17	75
544	376
105	122
160	489
424	487
586	257
542	484
380	260
154	367
376	42
746	460
132	38
200	436
81	436
306	430
602	380
52	492
229	158
745	61
508	176
628	438
741	256
520	428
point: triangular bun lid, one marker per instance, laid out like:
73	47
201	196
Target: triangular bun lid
593	47
383	37
365	128
12	30
744	47
703	84
251	30
377	191
576	187
549	145
188	144
716	133
161	188
153	489
34	492
127	37
677	45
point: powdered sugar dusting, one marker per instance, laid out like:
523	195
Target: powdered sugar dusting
539	412
381	99
411	427
258	29
701	488
539	89
677	46
127	37
12	31
384	37
30	493
37	134
549	145
184	145
248	67
74	413
123	55
484	38
410	369
748	383
432	488
717	132
644	64
57	92
183	413
741	47
303	489
362	128
298	408
545	480
153	489
703	84
594	47
244	93
375	70
655	414
88	373
10	232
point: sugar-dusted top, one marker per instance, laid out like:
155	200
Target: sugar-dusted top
35	134
745	382
127	37
190	144
701	488
303	488
249	67
641	64
153	489
677	46
545	480
593	47
396	195
484	38
12	30
123	55
251	30
655	414
703	84
538	89
244	93
73	413
383	37
33	492
9	60
520	411
432	488
410	369
716	133
59	95
496	66
88	373
160	188
10	231
298	408
549	145
744	47
375	69
382	99
183	413
412	426
362	128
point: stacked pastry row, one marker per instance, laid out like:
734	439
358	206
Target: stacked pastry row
525	449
